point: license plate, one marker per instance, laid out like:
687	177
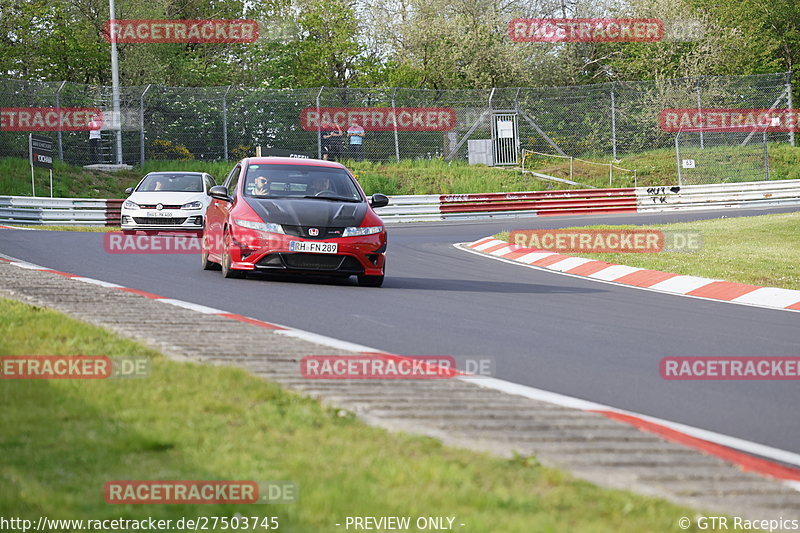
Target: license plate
159	214
314	247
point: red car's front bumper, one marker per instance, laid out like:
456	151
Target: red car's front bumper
270	252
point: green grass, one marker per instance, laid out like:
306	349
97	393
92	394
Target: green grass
761	250
63	439
656	167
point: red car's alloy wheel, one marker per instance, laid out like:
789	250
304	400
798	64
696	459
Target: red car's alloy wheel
227	271
207	265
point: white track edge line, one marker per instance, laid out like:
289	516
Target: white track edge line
562	400
97	282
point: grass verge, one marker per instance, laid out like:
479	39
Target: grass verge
761	250
63	439
655	167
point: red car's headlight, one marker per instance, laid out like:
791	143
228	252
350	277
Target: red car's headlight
260	226
358	232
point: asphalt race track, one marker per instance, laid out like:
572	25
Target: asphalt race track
590	340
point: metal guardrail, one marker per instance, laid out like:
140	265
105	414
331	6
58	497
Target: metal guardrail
726	195
428	208
59	211
435	207
504	205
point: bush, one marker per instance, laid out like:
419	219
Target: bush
160	150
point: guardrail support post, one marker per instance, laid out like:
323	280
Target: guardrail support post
58	106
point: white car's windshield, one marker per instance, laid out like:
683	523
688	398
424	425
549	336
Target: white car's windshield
171	182
300	181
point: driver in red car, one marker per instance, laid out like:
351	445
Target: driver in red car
261	186
322	184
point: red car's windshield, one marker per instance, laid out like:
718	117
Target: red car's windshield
300	181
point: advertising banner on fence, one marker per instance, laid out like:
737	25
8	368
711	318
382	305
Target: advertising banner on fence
728	120
380	118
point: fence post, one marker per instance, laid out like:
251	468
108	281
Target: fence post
570	167
319	126
697	86
766	156
789	103
394	113
492	126
58	106
613	122
678	159
141	123
225	121
610	173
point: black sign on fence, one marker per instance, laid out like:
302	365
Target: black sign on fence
41	151
40	154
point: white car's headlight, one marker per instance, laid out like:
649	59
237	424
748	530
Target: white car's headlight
260	226
130	205
192	205
358	232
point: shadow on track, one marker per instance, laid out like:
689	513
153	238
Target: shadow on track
428	284
464	285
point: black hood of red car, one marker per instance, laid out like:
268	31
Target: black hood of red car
308	211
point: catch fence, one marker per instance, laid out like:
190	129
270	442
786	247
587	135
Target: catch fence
605	121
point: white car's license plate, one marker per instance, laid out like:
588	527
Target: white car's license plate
159	214
314	247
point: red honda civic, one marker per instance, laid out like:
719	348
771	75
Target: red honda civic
280	214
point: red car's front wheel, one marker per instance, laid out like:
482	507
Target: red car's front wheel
207	264
227	271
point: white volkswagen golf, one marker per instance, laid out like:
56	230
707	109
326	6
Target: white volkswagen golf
167	201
